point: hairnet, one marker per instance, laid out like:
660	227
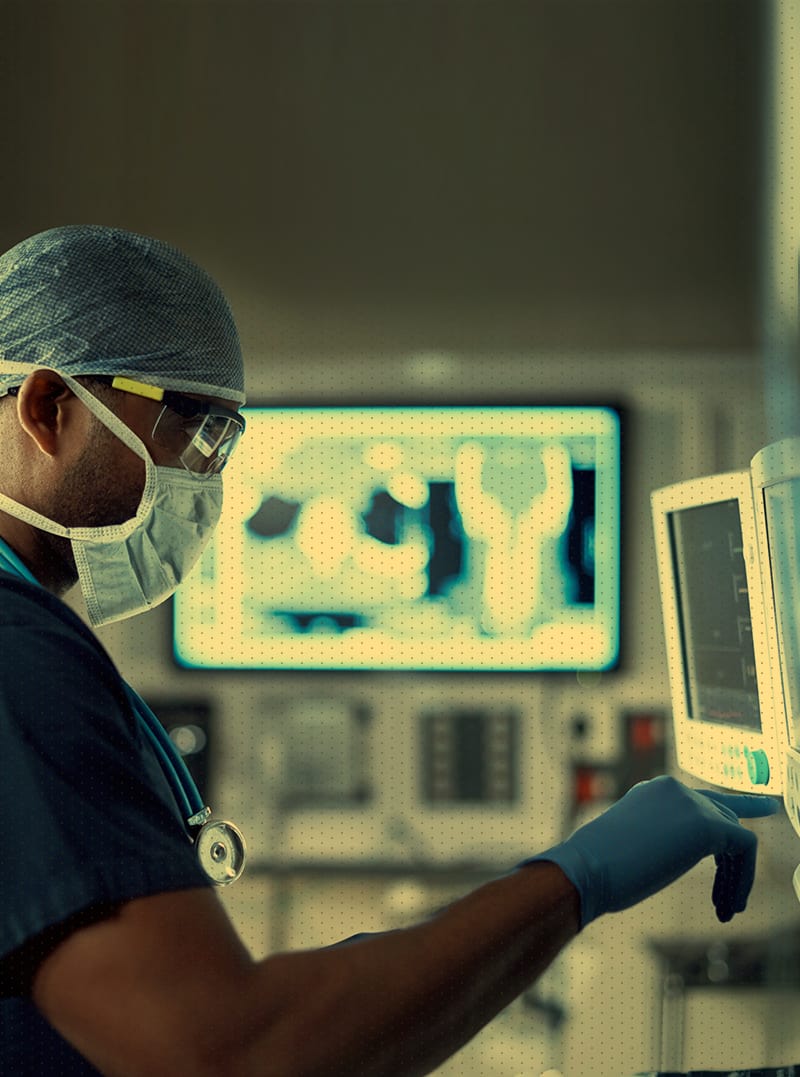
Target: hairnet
87	299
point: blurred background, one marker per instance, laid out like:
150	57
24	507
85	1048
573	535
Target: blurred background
573	202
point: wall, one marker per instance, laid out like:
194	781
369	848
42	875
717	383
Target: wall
556	173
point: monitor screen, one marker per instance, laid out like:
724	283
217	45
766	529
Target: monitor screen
714	615
438	538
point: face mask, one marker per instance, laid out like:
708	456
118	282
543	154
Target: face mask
127	568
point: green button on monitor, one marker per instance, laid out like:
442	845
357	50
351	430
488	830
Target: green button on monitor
757	766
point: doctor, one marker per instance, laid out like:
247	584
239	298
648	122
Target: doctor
120	383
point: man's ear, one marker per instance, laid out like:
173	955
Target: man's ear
42	408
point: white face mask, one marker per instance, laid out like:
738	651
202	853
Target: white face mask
127	568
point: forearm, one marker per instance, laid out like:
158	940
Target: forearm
401	1002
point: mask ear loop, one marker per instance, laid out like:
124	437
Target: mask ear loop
106	416
133	442
125	434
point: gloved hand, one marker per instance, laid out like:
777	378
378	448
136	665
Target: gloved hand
652	836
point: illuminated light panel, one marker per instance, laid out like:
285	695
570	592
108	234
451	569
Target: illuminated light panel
490	541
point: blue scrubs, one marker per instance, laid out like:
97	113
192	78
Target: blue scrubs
88	819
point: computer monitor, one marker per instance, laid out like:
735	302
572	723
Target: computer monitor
720	654
424	538
776	484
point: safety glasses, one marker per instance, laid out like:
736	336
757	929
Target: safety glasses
201	435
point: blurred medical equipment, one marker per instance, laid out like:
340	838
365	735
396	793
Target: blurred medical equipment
415	776
760	964
441	538
718	621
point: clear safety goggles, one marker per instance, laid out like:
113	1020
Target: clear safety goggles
201	435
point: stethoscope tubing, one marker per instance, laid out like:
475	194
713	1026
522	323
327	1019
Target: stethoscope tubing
175	770
219	844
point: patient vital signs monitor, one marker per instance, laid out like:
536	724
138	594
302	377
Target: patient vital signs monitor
719	626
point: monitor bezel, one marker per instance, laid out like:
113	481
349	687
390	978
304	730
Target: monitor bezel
776	463
715	752
611	413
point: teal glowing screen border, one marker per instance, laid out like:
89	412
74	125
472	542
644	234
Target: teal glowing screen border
416	538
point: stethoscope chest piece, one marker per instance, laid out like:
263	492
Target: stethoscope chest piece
221	850
219	844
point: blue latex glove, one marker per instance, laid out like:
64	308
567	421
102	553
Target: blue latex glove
653	835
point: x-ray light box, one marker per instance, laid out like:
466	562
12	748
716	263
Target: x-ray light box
426	538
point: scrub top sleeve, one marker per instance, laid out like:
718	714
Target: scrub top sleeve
87	818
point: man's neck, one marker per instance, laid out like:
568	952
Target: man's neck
47	557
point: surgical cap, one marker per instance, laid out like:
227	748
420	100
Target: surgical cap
87	299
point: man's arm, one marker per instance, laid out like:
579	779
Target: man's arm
166	987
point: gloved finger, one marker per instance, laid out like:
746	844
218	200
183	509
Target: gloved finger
722	893
744	805
736	872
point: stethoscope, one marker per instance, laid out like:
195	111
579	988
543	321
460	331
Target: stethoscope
219	844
